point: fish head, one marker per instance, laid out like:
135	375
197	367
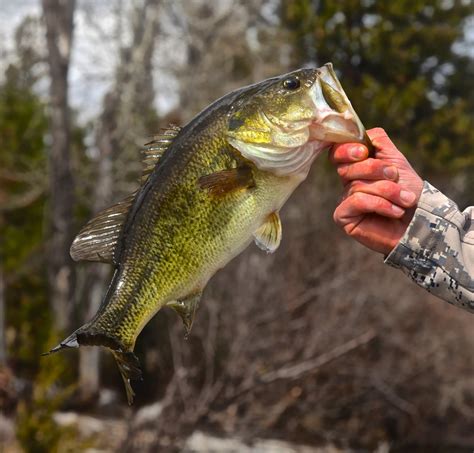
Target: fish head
283	123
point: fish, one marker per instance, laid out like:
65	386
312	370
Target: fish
208	190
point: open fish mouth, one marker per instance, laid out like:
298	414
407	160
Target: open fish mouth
287	143
335	119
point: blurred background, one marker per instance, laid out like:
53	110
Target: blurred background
319	344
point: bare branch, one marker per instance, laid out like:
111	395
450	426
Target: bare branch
389	393
310	366
23	200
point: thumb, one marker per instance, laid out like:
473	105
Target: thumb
387	152
385	148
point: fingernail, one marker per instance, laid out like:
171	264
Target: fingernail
390	173
407	197
357	152
397	210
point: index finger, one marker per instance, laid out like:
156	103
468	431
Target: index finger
348	152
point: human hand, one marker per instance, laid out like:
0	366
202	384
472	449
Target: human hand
380	194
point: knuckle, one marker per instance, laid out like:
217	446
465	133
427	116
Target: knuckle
380	203
358	199
353	188
387	189
342	170
371	165
337	217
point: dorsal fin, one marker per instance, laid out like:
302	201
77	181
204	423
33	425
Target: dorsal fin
155	149
98	238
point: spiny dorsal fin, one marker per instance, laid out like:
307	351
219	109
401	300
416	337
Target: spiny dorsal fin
155	149
268	236
97	240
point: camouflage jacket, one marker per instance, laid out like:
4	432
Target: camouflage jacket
437	250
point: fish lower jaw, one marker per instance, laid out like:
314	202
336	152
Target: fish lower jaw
343	131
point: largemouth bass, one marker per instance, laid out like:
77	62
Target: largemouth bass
209	189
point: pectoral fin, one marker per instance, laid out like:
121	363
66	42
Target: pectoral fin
268	236
225	181
186	309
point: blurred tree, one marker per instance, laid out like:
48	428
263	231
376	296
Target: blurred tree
3	345
398	64
58	17
22	188
249	49
37	431
23	192
263	358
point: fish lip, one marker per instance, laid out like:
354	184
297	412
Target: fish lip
320	128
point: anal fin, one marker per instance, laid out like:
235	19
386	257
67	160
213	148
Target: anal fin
268	235
186	309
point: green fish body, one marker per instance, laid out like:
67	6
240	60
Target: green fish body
211	188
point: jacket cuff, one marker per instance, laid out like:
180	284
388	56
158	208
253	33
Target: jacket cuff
420	242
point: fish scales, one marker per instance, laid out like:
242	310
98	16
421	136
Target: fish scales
182	249
218	184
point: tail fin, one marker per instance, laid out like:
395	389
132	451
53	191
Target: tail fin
127	361
69	342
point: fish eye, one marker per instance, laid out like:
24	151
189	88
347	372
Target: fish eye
291	83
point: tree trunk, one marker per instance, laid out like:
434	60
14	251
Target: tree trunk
58	17
89	366
3	346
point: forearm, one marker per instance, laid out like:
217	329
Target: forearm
437	250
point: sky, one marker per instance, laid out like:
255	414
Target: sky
94	54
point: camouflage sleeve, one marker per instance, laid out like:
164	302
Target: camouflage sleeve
437	250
